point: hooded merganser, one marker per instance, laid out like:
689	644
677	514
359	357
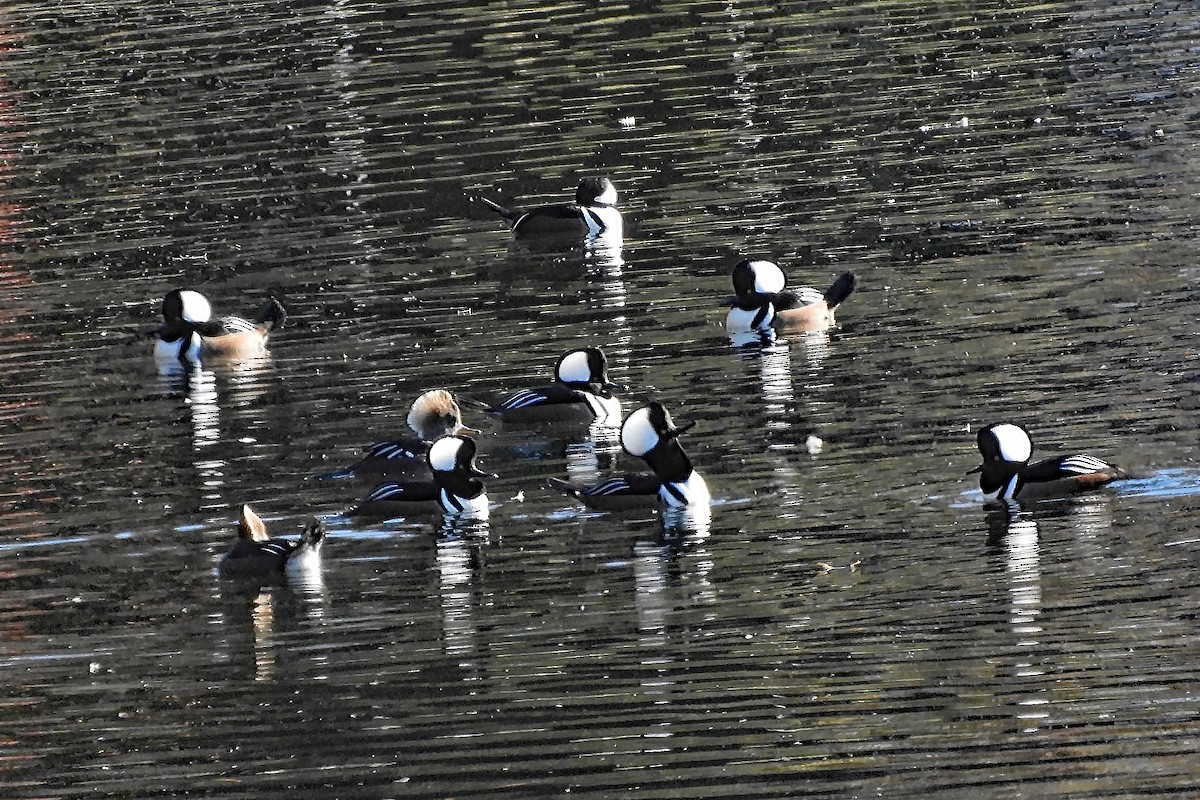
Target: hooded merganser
433	415
762	301
455	488
593	213
255	554
189	332
582	393
1006	473
651	435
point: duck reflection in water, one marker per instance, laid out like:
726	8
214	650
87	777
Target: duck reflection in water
253	618
1015	534
666	571
768	360
263	572
461	547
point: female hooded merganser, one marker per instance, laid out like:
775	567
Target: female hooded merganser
762	301
433	415
455	488
255	554
593	213
648	434
1006	473
582	394
189	332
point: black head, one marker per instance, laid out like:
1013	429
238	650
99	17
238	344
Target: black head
596	192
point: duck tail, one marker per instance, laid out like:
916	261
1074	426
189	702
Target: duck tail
840	290
569	489
336	475
504	211
478	405
272	315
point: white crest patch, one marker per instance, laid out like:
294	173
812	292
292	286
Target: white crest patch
768	277
443	455
195	306
609	195
574	368
1014	443
638	436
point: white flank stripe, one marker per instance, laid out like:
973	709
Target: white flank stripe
809	295
237	325
1084	465
523	400
385	492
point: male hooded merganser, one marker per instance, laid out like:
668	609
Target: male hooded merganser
455	488
593	213
582	394
762	301
1006	473
433	415
255	554
648	434
189	332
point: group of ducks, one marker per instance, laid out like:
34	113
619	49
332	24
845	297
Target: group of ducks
437	470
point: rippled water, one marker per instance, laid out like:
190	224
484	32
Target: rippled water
1014	186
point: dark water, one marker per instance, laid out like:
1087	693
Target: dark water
1015	185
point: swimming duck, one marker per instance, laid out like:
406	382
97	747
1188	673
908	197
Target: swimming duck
1006	473
433	414
255	554
456	487
189	332
762	300
649	434
594	213
582	393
